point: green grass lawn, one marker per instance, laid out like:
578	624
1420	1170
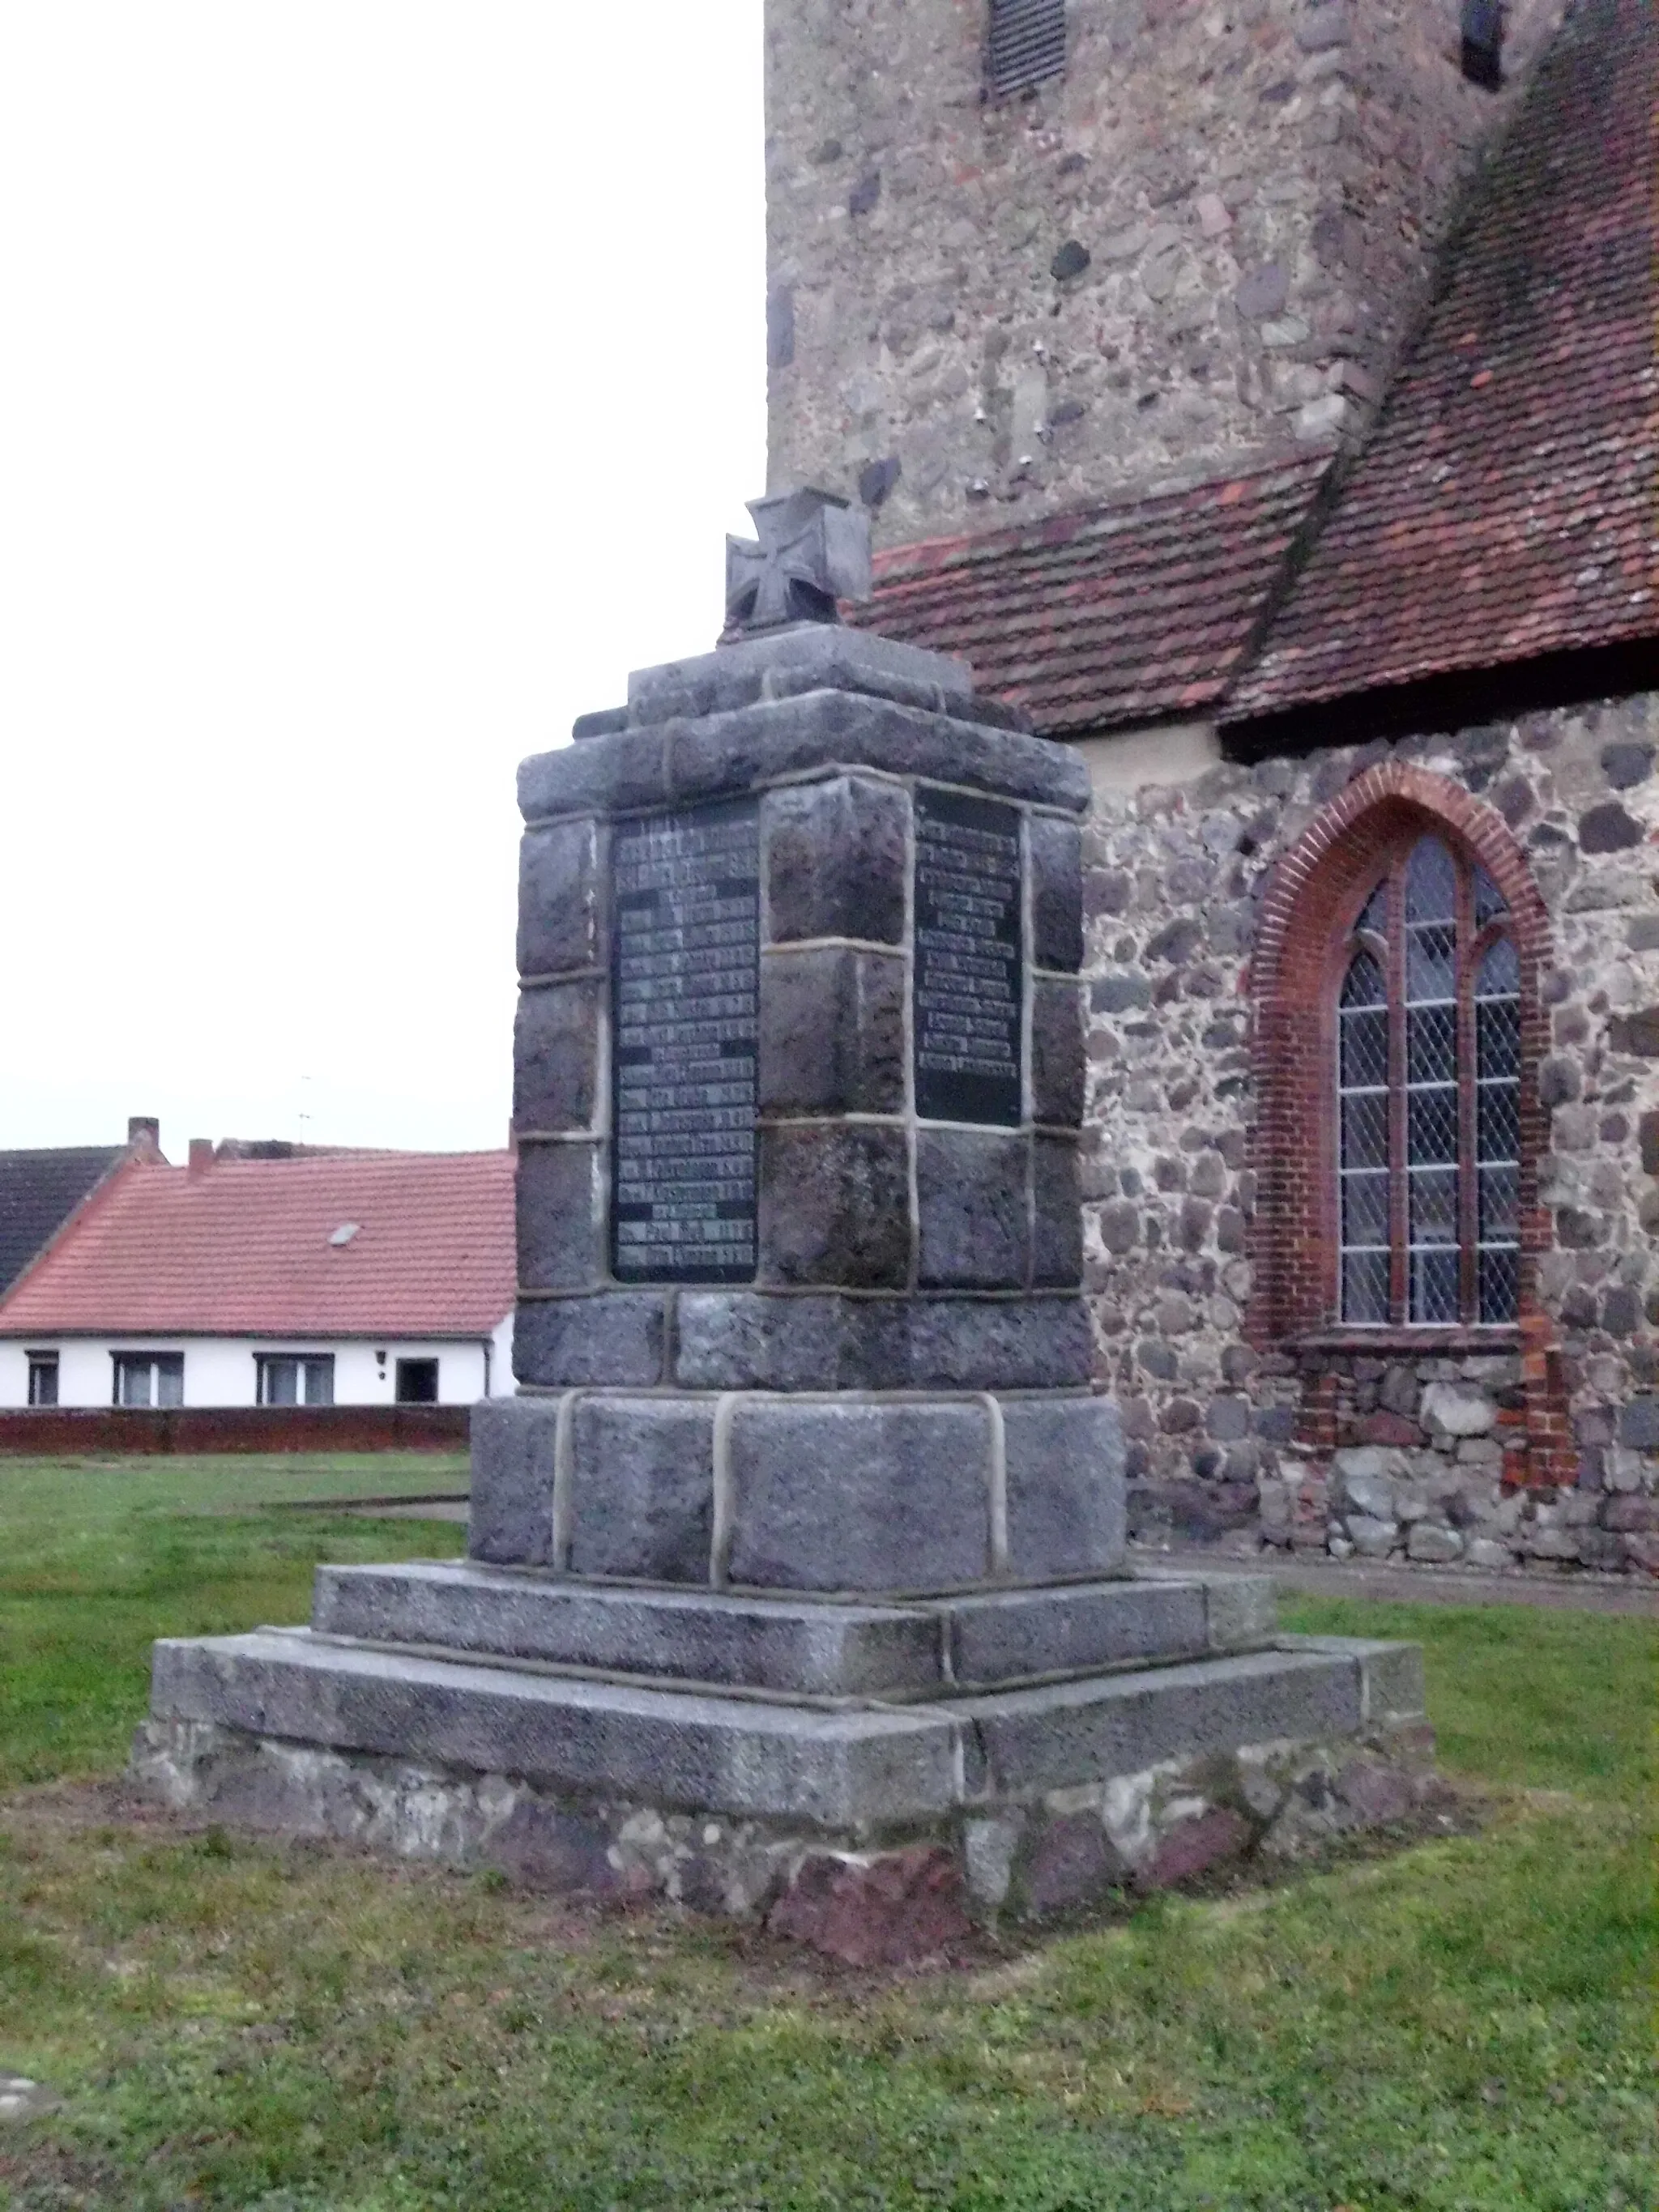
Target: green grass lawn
98	1559
1462	2025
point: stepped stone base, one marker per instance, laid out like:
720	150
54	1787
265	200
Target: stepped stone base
892	1648
861	1770
860	1899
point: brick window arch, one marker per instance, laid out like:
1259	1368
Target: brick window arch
1428	1069
1398	1034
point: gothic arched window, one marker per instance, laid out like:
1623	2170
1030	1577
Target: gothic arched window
1429	1097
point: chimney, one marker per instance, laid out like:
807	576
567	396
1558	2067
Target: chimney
201	1158
144	1136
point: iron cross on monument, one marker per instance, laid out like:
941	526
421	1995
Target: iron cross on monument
813	549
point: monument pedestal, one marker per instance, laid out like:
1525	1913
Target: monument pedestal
797	1575
872	1774
798	1086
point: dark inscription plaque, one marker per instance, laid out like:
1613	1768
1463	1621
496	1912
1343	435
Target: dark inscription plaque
686	979
968	980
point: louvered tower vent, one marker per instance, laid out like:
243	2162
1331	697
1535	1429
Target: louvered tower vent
1027	44
1483	43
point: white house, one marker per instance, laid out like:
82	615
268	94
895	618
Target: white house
313	1279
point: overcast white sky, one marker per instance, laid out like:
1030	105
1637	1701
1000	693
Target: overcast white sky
376	384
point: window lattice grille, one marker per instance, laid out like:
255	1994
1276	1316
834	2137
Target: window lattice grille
1434	1256
1429	1114
1027	44
1363	1065
1498	1128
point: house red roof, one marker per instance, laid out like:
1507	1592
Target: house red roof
1507	505
1131	613
244	1247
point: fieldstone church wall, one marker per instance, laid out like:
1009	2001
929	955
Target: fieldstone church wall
1198	248
1488	1447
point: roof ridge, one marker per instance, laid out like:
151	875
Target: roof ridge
59	1152
361	1156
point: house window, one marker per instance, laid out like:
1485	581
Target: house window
1026	44
295	1378
418	1382
43	1378
150	1378
1428	1082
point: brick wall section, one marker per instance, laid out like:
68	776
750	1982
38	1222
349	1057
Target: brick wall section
65	1432
1258	188
1207	1185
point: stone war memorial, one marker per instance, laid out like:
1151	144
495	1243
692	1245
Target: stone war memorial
797	1581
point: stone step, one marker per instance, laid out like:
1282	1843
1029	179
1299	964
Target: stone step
929	1648
855	1768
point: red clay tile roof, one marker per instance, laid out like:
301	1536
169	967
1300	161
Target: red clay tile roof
1132	613
243	1249
1507	504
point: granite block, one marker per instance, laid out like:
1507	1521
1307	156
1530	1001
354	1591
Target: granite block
1056	1214
1241	1610
606	776
885	1908
1056	862
721	754
641	1498
559	898
1057	1055
805	1645
806	656
511	1514
943	1343
1390	1674
973	1208
547	1848
667	1747
599	722
832	1032
1065	1486
860	1497
1391	1681
756	1341
789	1645
747	1340
836	855
834	1206
1069	1862
1074	1732
1002	1637
555	1056
560	1204
614	1336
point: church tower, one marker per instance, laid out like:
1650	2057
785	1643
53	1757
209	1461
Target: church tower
1027	256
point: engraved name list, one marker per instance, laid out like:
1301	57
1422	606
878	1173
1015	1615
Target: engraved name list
686	985
968	981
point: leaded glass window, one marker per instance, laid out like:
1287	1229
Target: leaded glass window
1428	1104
